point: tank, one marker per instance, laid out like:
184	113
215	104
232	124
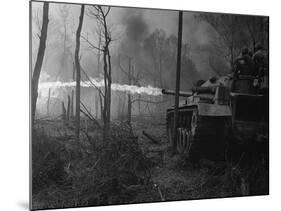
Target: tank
219	110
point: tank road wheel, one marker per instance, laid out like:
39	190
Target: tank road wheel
200	136
179	140
191	133
184	139
188	136
193	124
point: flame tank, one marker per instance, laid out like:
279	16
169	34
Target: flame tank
215	112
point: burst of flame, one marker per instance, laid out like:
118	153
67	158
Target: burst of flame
149	90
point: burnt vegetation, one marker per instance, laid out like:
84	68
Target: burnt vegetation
100	132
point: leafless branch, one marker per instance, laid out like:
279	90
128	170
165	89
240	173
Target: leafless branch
90	43
89	79
89	115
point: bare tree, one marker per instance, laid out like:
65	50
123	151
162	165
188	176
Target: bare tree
72	105
257	27
77	65
133	78
72	92
98	94
228	29
130	75
236	31
98	103
100	14
40	58
63	112
68	108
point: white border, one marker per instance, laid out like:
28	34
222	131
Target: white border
15	99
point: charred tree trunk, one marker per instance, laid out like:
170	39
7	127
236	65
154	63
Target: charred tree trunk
123	96
99	54
63	111
139	103
68	108
97	104
100	14
72	92
107	76
105	123
177	81
107	93
129	112
97	101
77	66
48	102
109	87
40	58
72	104
101	106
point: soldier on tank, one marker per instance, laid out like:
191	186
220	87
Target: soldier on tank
259	59
251	53
244	64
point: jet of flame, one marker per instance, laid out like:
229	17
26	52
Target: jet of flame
149	90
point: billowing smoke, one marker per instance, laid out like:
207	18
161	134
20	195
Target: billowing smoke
136	29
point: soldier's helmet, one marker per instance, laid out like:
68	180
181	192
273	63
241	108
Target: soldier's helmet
244	51
258	46
250	53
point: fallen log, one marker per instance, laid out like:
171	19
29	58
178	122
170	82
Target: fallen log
159	192
151	138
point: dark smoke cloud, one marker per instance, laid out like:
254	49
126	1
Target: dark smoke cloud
136	27
135	30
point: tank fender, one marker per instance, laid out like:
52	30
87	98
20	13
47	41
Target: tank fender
206	109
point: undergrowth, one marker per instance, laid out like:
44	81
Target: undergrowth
92	172
79	173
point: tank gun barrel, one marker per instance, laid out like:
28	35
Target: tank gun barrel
205	90
171	92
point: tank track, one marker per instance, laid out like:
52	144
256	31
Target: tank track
204	137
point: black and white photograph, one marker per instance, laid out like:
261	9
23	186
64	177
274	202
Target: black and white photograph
138	105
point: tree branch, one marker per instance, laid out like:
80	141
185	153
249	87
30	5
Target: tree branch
91	44
99	90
